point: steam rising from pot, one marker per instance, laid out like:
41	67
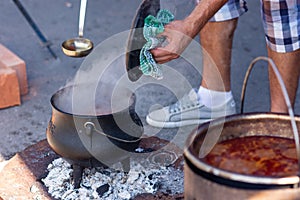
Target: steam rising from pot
96	89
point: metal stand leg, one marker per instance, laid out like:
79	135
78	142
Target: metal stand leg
77	175
126	164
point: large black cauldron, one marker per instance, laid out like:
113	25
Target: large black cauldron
91	135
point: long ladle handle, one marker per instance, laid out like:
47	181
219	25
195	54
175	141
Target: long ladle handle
286	97
82	17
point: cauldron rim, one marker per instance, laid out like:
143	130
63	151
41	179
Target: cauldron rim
79	115
251	179
53	104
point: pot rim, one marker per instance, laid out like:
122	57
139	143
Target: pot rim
52	101
290	180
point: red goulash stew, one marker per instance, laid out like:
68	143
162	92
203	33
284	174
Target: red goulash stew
256	155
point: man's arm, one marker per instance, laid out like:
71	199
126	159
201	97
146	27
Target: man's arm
202	13
180	33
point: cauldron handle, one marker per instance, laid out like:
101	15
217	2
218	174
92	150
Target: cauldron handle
90	126
286	98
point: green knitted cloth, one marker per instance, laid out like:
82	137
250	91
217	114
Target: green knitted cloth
152	27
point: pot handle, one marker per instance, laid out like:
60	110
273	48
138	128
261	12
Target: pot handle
284	91
90	126
285	94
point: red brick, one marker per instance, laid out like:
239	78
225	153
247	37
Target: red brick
11	60
9	88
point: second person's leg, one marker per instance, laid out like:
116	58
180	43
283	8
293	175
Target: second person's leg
282	29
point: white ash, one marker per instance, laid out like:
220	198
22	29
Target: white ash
100	183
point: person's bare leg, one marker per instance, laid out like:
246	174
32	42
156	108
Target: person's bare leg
288	65
216	39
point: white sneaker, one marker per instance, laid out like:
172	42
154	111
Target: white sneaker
188	111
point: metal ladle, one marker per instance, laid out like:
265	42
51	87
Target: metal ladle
80	46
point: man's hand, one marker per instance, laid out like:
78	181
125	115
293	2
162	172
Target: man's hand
178	35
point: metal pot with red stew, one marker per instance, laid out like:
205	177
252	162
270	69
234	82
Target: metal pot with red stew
246	156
